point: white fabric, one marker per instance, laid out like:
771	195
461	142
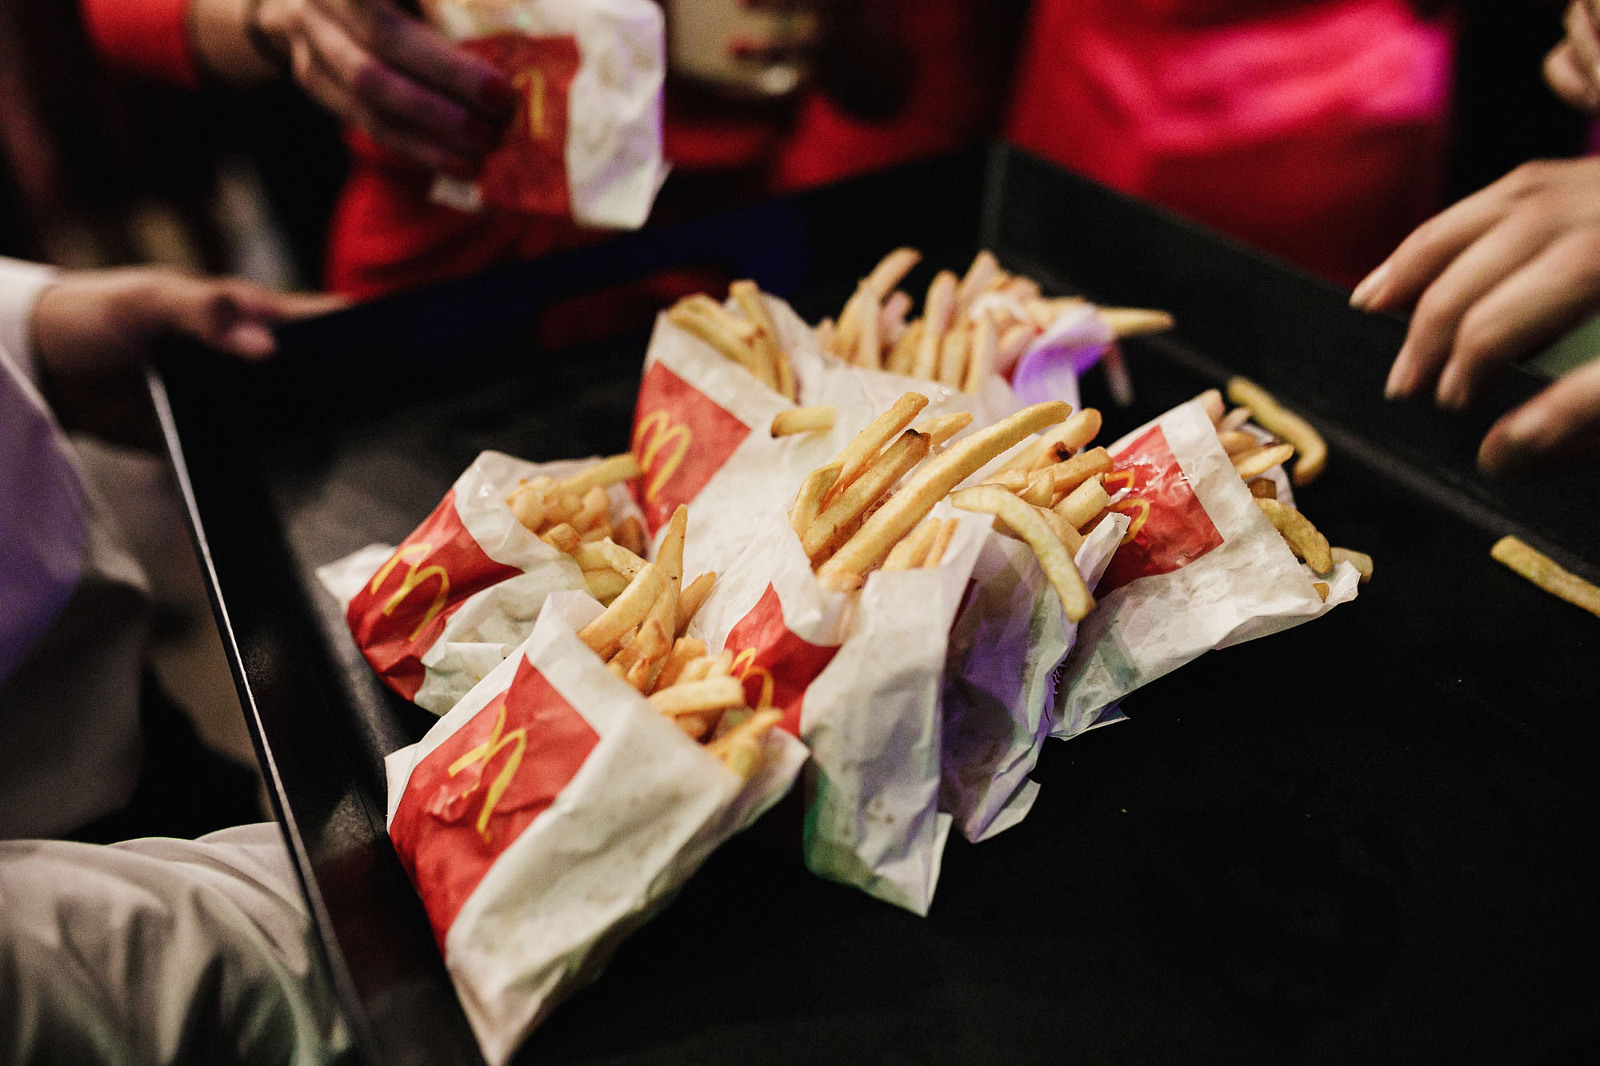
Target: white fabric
160	951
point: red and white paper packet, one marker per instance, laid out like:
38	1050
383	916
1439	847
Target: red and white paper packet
858	677
1200	568
551	812
436	613
1005	650
585	140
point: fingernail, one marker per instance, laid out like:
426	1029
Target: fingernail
1399	382
1451	393
252	340
1369	286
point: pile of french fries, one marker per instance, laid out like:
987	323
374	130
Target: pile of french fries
574	516
1293	438
971	326
749	337
640	637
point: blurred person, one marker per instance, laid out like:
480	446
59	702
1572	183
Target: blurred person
893	80
1503	273
149	951
1314	129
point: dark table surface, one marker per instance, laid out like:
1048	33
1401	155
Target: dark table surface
1371	838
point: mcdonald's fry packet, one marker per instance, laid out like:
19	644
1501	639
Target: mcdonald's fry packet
436	613
551	812
585	140
1199	568
1005	650
857	676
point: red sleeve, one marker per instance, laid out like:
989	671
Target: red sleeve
149	37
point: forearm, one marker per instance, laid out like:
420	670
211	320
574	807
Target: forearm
229	44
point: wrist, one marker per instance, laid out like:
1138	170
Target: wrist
232	43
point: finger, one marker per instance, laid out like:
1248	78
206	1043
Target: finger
1584	39
428	57
1399	280
400	112
1431	336
1560	423
1538	303
1565	78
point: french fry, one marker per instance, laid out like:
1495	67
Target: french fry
596	505
741	748
1084	503
891	270
813	490
1263	488
803	420
527	505
1013	342
980	361
625	612
866	445
562	537
912	550
932	482
730	336
693	597
629	534
984	270
1071	473
892	320
1040	489
605	473
940	428
765	342
1360	560
684	651
1303	538
1234	420
1284	424
1030	525
953	355
1546	573
1215	407
663	614
696	697
1258	461
604	585
617	557
936	314
1065	532
1134	321
1237	441
823	535
869	338
941	541
902	357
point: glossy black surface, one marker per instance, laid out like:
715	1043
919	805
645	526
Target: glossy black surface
1372	838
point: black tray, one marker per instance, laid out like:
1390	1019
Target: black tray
1370	838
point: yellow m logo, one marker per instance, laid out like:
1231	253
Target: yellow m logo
530	82
484	753
1136	507
411	555
660	446
744	666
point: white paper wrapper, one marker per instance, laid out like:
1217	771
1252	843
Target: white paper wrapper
858	677
1202	569
436	613
585	141
1005	649
549	814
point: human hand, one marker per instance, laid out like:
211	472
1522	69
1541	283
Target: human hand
1495	277
392	75
1572	68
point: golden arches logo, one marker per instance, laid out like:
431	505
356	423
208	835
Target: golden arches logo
1137	508
744	665
412	555
661	447
530	81
483	754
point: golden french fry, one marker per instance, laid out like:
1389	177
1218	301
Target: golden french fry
604	585
953	351
1134	321
869	338
728	335
594	510
803	420
870	441
1546	573
720	664
912	549
1236	441
695	670
941	541
827	337
841	581
1065	531
1214	405
933	481
562	537
1071	473
1258	461
1264	488
984	270
1010	480
693	597
1061	443
980	360
1360	560
615	556
527	505
747	295
742	748
1322	588
1303	538
808	501
1013	342
1083	504
891	270
902	357
1040	489
1284	424
936	314
1234	420
684	651
669	564
561	506
1030	524
606	472
695	726
940	428
824	534
625	612
695	697
630	535
892	320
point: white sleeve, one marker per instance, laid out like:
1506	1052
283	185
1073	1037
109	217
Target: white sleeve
161	951
42	518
